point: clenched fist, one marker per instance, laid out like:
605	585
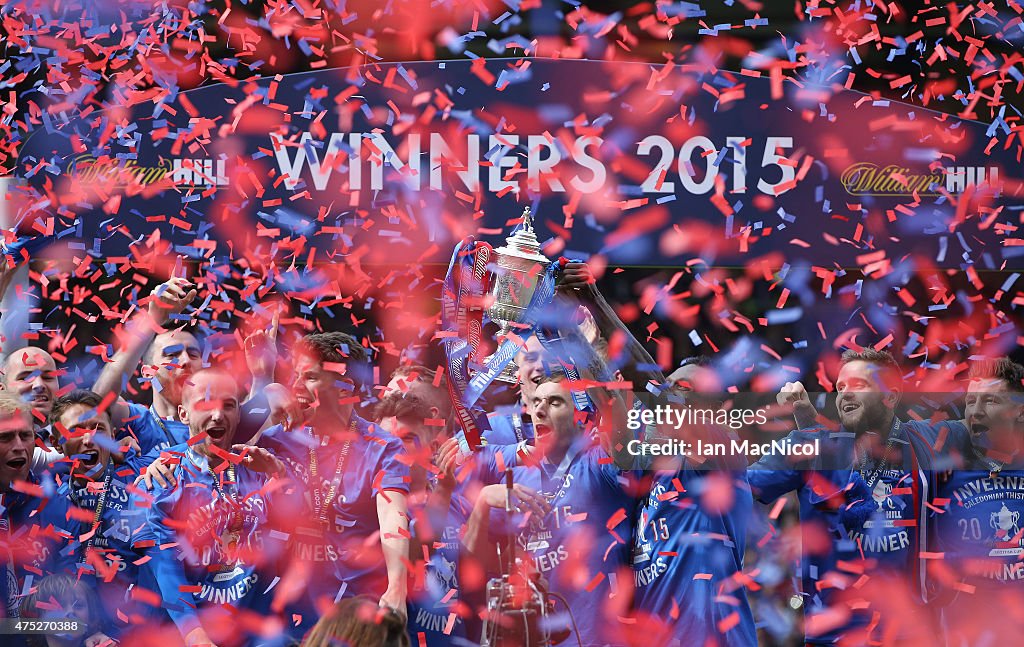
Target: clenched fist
795	395
170	298
577	279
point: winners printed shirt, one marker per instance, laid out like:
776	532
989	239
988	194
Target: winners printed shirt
582	546
980	535
433	598
105	553
892	537
350	475
210	542
686	552
981	531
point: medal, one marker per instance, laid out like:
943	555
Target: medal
231	537
872	477
229	544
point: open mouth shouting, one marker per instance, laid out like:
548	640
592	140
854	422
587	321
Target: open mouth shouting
17	463
217	433
89	458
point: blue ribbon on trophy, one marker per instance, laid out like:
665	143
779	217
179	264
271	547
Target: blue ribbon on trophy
573	351
461	318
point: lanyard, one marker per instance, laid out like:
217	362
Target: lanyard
558	478
162	425
517	426
97	517
872	478
321	500
235	521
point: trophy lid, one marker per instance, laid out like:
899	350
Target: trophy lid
523	243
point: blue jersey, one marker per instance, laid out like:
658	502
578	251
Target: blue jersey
582	546
152	432
345	563
980	532
210	544
889	540
687	554
119	518
37	518
30	538
433	592
105	553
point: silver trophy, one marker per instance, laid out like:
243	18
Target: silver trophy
520	265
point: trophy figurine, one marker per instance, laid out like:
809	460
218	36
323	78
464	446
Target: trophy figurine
520	265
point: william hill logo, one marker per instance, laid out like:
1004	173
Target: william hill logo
123	173
867	178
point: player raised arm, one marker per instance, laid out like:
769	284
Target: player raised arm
577	281
168	298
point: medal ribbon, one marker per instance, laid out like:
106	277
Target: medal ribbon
97	516
558	477
872	478
322	501
163	426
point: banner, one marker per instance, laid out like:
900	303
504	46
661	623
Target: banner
643	165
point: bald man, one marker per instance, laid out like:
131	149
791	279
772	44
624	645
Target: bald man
32	375
170	356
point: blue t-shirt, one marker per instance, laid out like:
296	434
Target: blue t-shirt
980	536
110	541
686	553
889	540
582	546
153	433
433	598
980	533
32	527
38	527
208	550
345	564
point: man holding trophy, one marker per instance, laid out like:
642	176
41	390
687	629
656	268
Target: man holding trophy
565	504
